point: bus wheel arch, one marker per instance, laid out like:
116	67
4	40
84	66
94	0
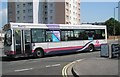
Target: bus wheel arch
39	52
91	47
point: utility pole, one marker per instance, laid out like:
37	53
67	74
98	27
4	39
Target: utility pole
114	24
114	31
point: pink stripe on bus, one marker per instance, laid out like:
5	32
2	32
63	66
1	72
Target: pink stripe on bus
62	48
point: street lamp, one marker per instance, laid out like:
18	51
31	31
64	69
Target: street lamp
114	23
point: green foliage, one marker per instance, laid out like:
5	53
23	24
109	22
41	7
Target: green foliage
110	26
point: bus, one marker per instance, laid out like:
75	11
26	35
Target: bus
38	40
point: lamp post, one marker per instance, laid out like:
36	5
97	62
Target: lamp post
114	32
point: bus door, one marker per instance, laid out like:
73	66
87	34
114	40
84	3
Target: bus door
22	41
27	41
18	41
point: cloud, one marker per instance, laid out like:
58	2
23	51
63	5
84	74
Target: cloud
3	17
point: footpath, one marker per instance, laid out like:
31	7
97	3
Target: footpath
95	67
1	49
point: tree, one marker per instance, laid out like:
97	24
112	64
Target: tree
110	26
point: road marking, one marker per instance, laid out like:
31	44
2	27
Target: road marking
65	68
48	66
23	70
55	65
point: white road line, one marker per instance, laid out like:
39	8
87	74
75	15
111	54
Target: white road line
55	65
48	66
23	70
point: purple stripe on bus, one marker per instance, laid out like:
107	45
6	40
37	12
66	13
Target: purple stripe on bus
53	26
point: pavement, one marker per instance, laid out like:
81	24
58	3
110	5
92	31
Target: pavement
96	66
1	44
1	49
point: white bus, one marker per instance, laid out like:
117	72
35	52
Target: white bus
28	39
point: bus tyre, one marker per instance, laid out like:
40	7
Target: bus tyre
91	48
38	53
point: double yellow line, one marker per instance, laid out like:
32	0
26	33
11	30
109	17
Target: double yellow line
65	68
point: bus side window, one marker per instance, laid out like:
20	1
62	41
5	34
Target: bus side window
48	36
66	38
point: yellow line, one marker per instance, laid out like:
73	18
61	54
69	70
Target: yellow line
64	70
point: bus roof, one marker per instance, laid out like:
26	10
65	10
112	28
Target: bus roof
58	26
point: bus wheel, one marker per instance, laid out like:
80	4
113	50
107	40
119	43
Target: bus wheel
38	53
91	48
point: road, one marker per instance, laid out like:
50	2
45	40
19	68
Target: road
49	65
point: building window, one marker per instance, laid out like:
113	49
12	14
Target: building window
67	4
70	11
30	10
67	10
30	4
24	17
51	11
18	6
23	11
18	18
76	8
10	12
30	17
67	22
74	19
70	17
51	22
18	12
74	13
45	12
67	17
51	17
45	6
23	5
51	5
45	19
70	5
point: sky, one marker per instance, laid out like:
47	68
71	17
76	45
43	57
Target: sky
98	11
90	10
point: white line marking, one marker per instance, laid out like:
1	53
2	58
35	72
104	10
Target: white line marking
55	65
23	70
48	66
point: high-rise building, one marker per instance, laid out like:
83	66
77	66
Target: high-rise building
66	12
119	11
